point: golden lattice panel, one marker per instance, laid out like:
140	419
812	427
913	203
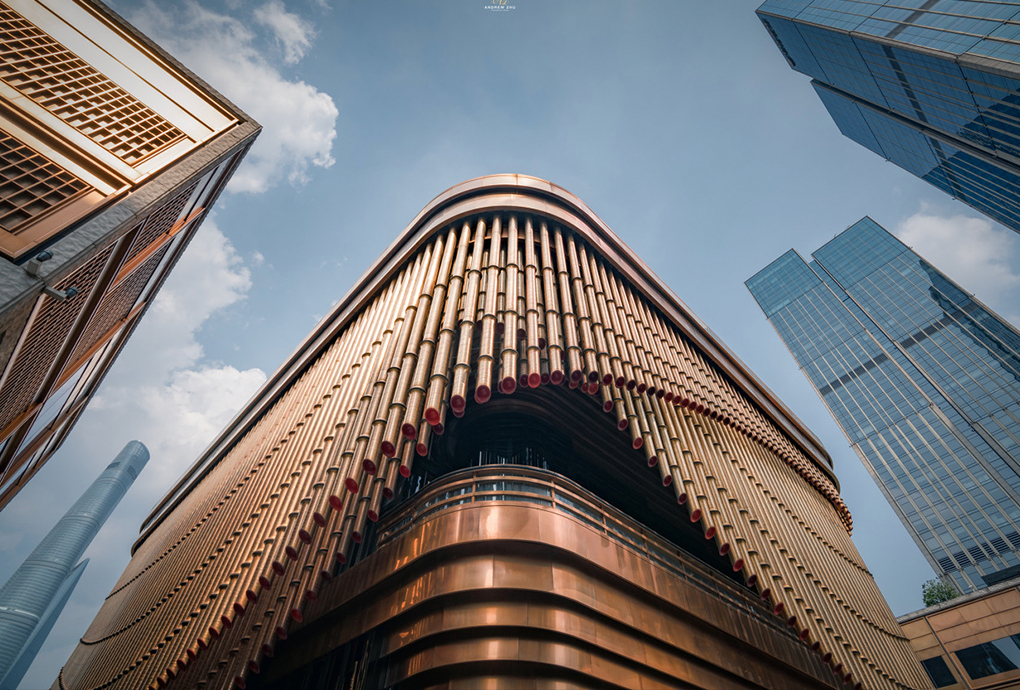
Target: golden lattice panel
30	184
41	68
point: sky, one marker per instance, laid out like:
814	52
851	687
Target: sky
678	122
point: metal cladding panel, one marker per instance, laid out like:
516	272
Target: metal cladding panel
487	293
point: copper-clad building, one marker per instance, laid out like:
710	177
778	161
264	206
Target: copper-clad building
111	155
509	458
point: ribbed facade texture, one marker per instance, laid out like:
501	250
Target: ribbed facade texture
26	598
111	155
932	86
509	457
925	383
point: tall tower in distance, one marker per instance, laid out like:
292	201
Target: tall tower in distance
509	457
31	600
111	155
924	381
933	87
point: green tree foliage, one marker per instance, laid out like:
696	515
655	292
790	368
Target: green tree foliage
936	591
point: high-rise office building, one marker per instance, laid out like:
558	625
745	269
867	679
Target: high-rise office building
32	598
509	457
111	154
924	381
932	86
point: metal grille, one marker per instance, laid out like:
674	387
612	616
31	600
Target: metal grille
160	221
44	340
118	303
35	64
30	184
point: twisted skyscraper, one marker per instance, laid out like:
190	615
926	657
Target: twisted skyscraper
46	575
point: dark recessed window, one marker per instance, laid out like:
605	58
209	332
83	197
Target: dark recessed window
939	672
990	658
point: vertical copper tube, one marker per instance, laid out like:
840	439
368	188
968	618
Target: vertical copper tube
461	370
435	304
532	306
444	346
555	345
508	356
485	359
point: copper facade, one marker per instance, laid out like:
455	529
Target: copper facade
111	154
505	296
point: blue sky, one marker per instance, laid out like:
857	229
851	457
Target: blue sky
677	122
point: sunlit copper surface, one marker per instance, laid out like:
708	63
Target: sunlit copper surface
239	553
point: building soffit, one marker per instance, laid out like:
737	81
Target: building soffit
494	193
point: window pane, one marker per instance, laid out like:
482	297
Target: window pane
939	672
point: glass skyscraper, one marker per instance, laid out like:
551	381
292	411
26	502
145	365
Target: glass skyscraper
933	86
925	382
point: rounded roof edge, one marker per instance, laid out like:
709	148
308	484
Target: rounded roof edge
479	194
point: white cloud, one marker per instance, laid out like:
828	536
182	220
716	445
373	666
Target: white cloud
978	255
299	121
293	34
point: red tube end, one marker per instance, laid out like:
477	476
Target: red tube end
791	621
372	516
267	650
607	379
421	449
432	416
319	519
281	632
710	532
482	394
351	484
340	558
251	595
815	645
653	461
667	480
652	390
752	579
291	553
438	429
766	594
669	396
264	582
296	615
404	471
724	549
238	608
778	610
408	431
357	537
576	375
387	493
304	536
631	384
225	620
253	666
239	683
458	403
458	413
388	449
622	424
522	381
641	387
738	565
508	385
696	515
335	502
542	343
556	377
545	379
310	595
637	443
534	380
681	497
607	406
278	567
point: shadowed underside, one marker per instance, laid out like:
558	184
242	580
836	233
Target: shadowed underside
502	283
